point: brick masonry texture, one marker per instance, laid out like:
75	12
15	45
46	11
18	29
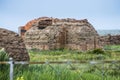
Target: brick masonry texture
46	33
53	33
13	45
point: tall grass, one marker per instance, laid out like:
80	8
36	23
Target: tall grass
61	72
64	71
4	68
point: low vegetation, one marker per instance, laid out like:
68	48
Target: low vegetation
67	71
4	69
58	55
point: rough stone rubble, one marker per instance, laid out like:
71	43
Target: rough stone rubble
13	45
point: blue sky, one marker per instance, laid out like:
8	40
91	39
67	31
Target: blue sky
102	14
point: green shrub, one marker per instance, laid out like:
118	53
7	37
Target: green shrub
98	51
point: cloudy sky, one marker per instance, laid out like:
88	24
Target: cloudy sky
102	14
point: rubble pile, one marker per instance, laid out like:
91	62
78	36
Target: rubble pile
13	45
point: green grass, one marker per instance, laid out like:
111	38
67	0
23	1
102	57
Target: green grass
112	47
61	72
4	68
58	55
67	71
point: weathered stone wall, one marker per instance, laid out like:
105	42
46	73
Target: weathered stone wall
115	39
110	39
53	33
13	45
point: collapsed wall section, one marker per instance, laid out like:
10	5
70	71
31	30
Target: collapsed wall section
13	45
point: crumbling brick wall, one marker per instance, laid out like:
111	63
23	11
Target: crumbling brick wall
110	39
23	29
13	45
53	33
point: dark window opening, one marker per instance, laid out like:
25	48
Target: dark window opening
44	23
41	27
23	30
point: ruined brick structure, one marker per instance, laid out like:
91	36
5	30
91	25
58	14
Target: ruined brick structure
23	29
52	33
110	39
114	39
13	45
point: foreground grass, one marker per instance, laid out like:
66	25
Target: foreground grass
66	71
60	72
55	72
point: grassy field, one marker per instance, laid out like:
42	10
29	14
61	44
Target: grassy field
58	55
67	71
